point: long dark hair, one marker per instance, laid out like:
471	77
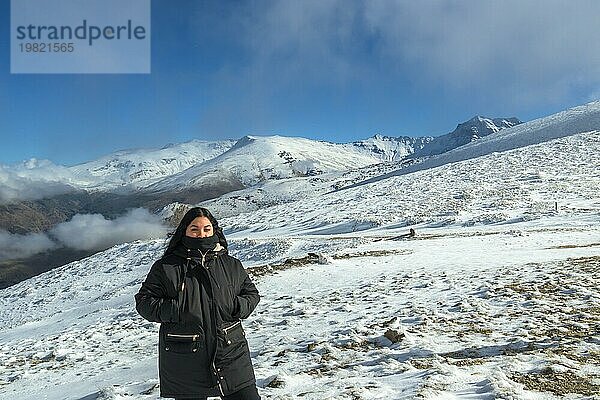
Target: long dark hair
187	219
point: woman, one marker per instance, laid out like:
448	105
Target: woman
199	294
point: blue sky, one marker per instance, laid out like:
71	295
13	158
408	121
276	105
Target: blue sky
336	70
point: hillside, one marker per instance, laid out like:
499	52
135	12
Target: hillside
479	304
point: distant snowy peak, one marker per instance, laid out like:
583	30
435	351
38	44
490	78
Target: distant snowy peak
244	141
580	119
390	148
481	126
142	167
467	132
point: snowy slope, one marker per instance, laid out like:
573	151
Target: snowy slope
256	159
519	184
477	318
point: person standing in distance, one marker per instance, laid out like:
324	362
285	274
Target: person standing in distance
199	294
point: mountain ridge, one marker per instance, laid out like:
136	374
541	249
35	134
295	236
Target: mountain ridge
464	133
579	119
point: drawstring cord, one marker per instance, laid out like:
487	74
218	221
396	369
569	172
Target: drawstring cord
184	268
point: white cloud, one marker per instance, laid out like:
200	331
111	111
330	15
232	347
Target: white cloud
15	246
541	48
530	52
94	232
84	232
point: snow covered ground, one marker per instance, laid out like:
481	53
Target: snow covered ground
481	313
496	297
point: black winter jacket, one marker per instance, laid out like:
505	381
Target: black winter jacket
199	300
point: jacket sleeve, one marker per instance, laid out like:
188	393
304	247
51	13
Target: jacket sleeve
153	301
248	297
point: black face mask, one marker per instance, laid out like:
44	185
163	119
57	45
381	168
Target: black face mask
203	244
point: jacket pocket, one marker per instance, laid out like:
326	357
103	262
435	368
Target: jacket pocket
233	333
232	342
183	343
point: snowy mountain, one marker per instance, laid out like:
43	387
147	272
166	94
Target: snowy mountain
257	159
495	296
270	183
393	148
126	170
139	168
467	132
245	162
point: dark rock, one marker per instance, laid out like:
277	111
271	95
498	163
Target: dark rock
275	383
393	335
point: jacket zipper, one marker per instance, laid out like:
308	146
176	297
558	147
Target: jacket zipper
207	270
193	337
183	274
204	258
219	377
231	327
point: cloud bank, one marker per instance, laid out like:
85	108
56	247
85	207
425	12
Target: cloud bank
85	232
15	246
536	50
95	232
485	55
544	46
